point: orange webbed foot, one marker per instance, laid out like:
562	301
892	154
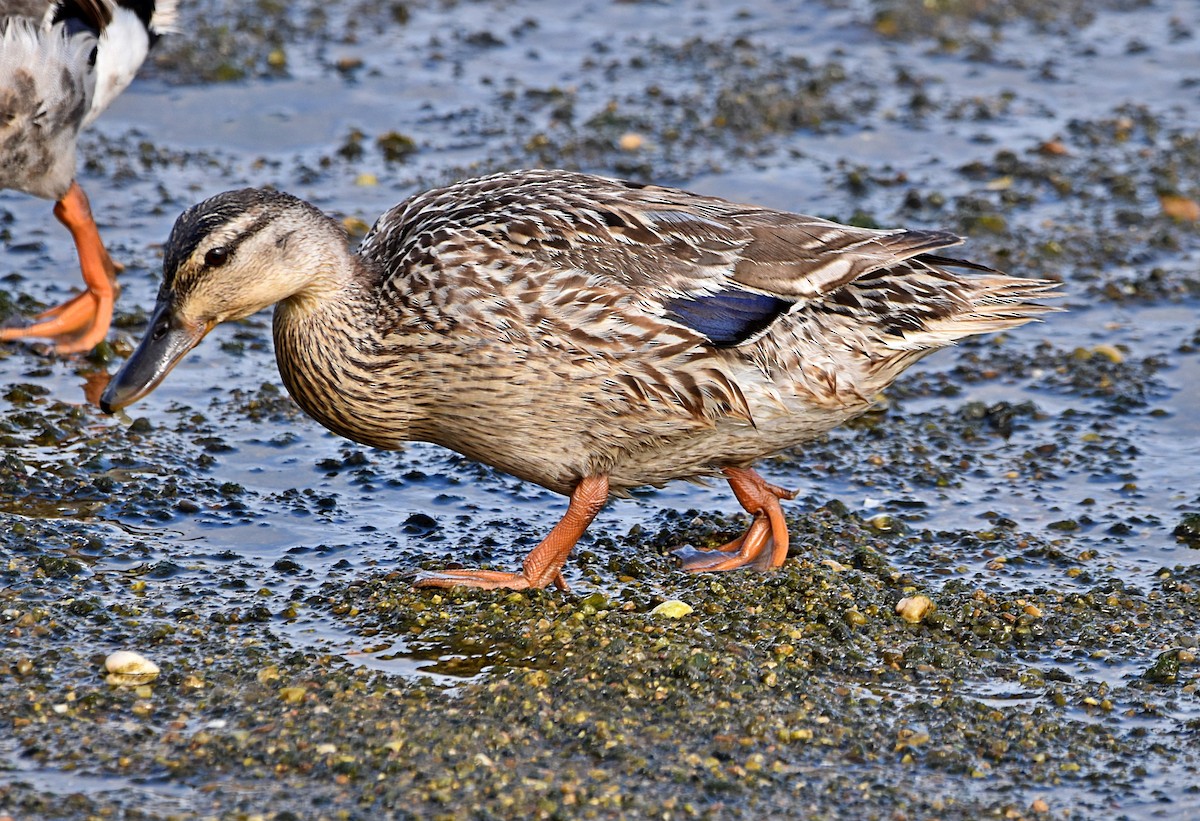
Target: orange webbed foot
748	550
482	579
81	323
543	566
763	546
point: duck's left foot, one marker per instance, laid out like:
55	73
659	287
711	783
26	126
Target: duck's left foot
543	566
483	579
763	546
81	323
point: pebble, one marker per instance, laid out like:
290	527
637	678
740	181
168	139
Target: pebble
631	141
292	695
127	668
914	609
673	609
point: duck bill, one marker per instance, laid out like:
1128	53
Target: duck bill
166	341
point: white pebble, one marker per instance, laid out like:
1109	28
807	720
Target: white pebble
126	667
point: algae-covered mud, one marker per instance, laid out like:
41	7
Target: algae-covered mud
992	605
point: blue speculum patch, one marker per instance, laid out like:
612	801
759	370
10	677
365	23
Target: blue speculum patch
728	317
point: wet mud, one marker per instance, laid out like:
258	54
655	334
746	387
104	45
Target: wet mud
1038	488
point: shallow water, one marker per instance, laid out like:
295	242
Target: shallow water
341	512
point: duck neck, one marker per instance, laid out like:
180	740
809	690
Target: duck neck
328	348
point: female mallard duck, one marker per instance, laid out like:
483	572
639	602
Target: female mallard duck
586	334
61	64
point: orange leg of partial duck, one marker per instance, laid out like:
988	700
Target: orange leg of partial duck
80	323
764	545
544	563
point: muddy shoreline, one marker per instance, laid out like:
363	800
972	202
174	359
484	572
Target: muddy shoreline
1038	487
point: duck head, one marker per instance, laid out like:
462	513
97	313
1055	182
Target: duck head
226	259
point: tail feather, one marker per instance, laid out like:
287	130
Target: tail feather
983	304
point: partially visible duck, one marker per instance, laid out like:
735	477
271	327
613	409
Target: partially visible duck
61	64
586	334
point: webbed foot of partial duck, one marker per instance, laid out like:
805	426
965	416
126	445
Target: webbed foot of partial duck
80	323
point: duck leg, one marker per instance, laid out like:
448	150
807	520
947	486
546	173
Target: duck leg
81	323
764	545
544	563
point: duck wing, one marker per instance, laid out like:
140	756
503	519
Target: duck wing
730	271
723	270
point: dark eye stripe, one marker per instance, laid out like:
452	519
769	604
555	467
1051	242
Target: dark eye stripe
201	220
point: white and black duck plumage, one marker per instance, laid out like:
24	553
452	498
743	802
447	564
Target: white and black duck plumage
586	334
61	65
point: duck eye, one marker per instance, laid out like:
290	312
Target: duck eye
216	257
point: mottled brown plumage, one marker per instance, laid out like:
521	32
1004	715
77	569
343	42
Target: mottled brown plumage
586	334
